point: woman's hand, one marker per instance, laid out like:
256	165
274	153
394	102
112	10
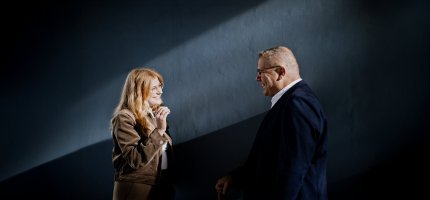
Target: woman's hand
161	116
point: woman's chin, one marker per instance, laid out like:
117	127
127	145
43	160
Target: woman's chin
157	102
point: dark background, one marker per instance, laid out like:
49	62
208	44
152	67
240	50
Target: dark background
64	63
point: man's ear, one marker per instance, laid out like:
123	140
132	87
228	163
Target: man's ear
281	73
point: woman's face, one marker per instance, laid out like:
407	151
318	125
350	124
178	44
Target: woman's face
155	91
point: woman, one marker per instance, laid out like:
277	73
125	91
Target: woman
142	146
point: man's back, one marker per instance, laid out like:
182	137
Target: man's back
289	155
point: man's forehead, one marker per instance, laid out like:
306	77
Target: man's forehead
265	62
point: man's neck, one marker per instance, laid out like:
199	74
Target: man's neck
278	95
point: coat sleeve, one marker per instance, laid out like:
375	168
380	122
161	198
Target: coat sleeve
137	151
239	177
297	144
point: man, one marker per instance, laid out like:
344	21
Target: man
289	156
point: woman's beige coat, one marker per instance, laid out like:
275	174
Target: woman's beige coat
136	154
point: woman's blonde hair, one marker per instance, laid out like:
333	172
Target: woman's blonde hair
135	94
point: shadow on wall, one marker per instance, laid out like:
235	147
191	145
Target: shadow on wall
74	53
84	174
45	36
403	177
88	173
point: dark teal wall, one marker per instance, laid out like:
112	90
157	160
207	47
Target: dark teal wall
64	64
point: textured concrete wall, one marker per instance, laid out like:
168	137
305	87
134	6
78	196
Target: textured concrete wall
66	63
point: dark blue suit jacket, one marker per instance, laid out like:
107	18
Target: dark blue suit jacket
289	156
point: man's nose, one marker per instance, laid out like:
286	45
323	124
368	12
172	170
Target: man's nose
258	78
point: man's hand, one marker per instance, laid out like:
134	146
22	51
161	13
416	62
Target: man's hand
222	185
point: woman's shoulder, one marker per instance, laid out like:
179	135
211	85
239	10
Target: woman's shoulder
124	114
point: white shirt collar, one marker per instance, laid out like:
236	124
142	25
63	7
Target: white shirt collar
278	95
